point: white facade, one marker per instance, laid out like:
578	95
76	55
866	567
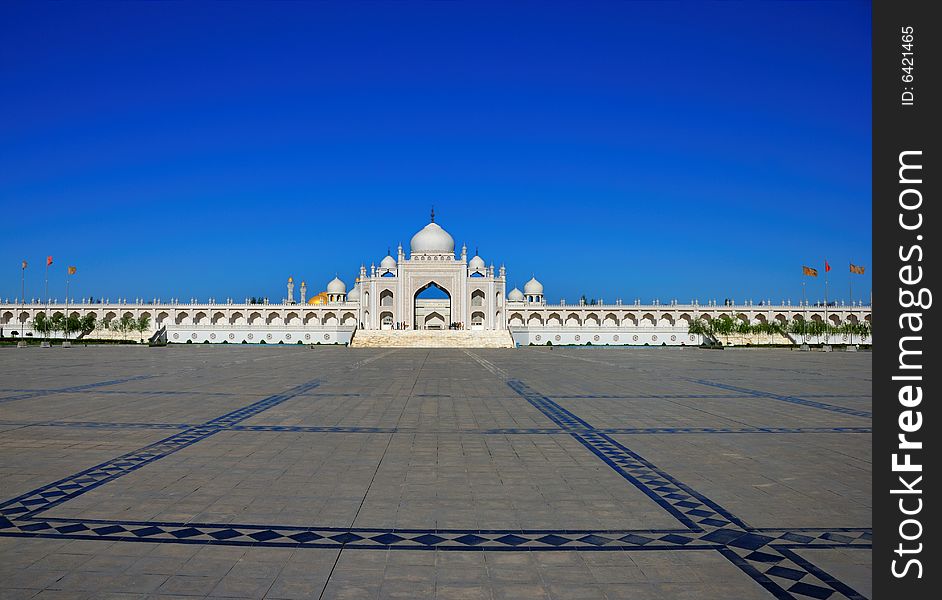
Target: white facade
385	297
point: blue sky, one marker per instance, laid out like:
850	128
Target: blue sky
622	149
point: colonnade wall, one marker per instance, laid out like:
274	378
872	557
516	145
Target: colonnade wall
529	323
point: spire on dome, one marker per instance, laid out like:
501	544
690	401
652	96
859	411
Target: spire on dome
433	214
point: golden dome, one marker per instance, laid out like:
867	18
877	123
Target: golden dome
319	299
291	280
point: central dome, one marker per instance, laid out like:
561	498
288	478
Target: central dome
432	238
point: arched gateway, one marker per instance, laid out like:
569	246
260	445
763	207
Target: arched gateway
432	307
430	287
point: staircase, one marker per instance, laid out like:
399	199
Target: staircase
432	339
159	338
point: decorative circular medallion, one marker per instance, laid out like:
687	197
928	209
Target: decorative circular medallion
558	337
538	338
212	336
615	337
845	337
693	338
287	336
578	338
231	336
268	336
193	336
596	338
634	338
307	336
673	338
326	336
176	336
653	338
249	336
807	338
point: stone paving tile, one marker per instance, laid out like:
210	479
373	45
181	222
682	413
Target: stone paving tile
806	480
445	466
853	567
34	456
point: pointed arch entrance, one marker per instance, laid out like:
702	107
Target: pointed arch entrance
431	308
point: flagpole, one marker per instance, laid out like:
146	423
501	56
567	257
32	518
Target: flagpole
850	285
47	296
23	305
67	278
827	335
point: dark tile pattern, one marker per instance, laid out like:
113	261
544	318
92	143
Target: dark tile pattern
791	399
76	388
766	555
750	550
65	489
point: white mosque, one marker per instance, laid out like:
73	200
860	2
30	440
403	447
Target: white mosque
385	307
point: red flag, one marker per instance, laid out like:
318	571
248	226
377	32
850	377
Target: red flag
48	260
827	267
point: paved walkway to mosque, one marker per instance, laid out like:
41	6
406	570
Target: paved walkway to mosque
289	472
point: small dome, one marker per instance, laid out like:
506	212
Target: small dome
388	263
515	295
354	293
291	280
432	238
476	263
533	287
336	286
318	299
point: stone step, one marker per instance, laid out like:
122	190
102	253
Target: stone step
432	339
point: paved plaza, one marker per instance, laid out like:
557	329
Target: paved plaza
332	472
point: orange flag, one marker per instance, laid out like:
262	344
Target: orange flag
856	269
72	270
809	271
48	260
24	264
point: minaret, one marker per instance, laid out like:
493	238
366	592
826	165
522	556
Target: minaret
503	272
464	253
402	255
291	290
303	293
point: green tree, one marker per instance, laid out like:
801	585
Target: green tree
700	327
88	324
73	324
42	324
124	325
57	323
141	325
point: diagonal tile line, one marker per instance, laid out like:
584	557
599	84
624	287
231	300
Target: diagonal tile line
43	498
688	506
822	575
74	388
791	399
783	576
53	494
